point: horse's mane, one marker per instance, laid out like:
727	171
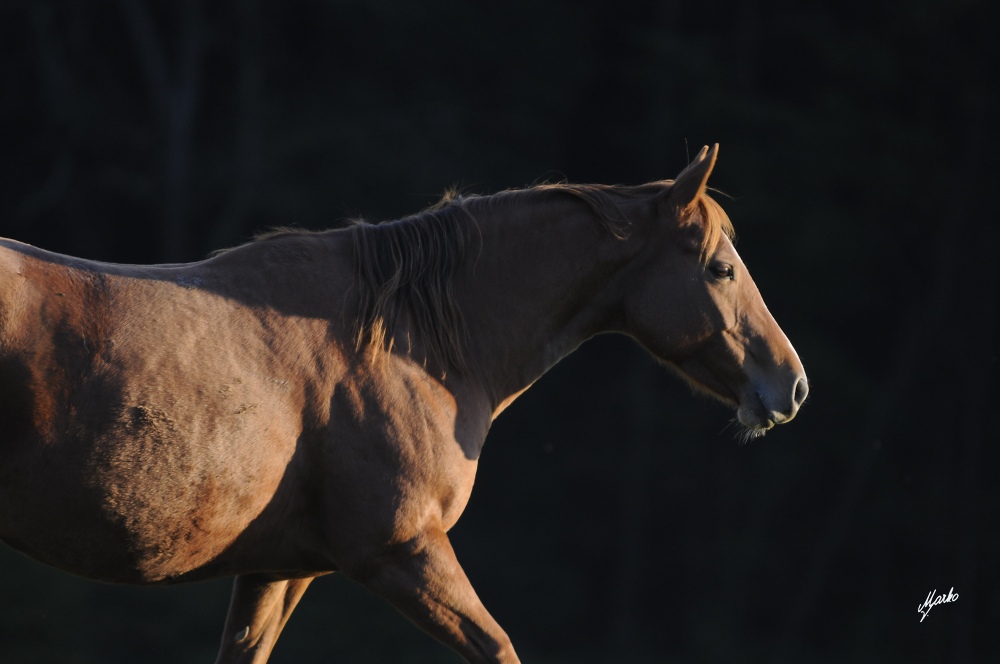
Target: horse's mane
406	267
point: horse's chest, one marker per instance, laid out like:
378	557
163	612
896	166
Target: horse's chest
392	487
400	456
434	483
455	496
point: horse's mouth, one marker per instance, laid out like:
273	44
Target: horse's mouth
754	416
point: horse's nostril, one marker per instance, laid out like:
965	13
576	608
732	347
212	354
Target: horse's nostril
801	391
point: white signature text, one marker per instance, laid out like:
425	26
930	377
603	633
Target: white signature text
933	601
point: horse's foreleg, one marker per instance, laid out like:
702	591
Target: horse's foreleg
258	611
423	579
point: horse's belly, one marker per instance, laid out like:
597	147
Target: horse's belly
119	539
130	517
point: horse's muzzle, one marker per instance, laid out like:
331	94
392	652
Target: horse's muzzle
763	408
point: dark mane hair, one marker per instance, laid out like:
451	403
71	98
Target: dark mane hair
406	267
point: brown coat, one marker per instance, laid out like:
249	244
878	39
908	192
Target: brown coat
317	402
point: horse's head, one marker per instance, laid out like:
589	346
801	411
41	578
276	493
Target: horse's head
691	301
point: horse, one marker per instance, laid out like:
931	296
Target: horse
315	402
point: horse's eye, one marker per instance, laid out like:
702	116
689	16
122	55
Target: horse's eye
722	271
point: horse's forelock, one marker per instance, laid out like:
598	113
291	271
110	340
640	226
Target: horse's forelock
716	224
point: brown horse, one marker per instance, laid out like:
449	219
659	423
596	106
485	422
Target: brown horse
317	402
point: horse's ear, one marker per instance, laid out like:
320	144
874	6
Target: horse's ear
690	184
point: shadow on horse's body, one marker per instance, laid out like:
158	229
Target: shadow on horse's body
317	402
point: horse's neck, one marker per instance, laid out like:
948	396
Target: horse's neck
542	285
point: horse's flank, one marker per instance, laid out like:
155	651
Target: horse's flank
174	402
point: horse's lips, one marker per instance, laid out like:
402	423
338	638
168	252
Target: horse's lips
754	415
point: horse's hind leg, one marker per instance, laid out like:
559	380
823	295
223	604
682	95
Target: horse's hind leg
258	610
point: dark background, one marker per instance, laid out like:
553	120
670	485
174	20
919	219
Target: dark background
614	520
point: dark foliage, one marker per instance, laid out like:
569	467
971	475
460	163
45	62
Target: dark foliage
614	519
